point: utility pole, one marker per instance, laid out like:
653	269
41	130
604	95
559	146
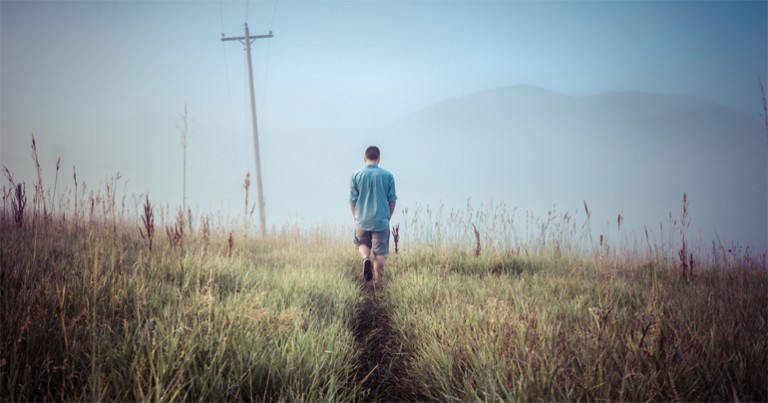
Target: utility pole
247	40
765	120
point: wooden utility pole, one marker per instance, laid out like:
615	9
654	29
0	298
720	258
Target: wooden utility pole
247	40
765	120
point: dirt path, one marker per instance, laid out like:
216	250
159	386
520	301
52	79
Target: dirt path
382	364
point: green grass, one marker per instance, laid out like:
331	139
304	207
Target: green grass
89	313
561	330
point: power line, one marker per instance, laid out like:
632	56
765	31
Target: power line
266	76
226	70
274	10
269	47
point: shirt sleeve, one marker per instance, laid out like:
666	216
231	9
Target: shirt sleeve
354	192
391	195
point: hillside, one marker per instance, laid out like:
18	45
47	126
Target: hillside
637	152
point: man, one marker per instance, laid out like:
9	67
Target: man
372	198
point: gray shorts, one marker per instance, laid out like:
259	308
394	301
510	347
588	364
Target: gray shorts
378	241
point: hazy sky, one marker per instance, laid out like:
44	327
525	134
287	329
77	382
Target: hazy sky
103	83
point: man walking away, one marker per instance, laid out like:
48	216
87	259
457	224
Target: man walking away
372	198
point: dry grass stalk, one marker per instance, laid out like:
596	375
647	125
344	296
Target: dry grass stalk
230	244
396	237
18	198
55	184
6	196
74	176
189	220
600	253
477	240
586	208
18	203
176	233
149	223
621	219
39	198
206	226
95	199
246	186
685	221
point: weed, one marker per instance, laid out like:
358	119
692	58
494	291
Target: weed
39	198
396	237
230	244
18	199
175	233
477	240
148	219
686	258
246	186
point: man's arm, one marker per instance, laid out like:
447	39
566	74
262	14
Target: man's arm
391	209
353	194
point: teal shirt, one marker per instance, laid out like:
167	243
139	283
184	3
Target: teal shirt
370	191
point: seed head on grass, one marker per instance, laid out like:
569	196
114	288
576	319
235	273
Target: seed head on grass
230	244
149	223
74	176
190	220
18	199
477	240
396	236
18	203
246	186
586	208
39	199
683	254
176	233
206	225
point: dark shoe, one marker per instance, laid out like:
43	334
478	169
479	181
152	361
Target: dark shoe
367	269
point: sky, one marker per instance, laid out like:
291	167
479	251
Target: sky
102	84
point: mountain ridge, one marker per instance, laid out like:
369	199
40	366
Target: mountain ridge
522	94
620	150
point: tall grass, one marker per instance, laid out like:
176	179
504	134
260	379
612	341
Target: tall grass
93	312
476	305
524	329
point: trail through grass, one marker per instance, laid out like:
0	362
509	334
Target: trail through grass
383	356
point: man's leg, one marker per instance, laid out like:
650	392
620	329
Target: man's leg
365	251
380	242
378	265
363	242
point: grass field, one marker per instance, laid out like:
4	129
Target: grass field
92	310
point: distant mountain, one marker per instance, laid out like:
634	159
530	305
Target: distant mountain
638	152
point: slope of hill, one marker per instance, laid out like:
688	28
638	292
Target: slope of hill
637	152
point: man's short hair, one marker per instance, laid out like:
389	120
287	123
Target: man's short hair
372	153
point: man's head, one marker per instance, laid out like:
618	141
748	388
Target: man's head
372	155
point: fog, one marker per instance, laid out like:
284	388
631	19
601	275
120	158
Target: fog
539	106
